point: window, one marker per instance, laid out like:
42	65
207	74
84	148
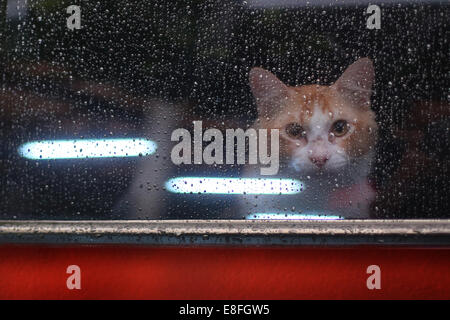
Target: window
242	110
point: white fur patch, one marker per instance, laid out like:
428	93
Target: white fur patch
319	124
319	145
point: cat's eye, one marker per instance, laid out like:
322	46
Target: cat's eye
295	130
340	128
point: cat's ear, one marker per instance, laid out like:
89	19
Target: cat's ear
268	90
356	82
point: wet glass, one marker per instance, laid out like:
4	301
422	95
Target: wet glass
122	110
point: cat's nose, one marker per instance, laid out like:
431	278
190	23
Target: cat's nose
319	161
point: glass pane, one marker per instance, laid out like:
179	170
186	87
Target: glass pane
256	109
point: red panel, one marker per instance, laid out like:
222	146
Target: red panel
133	272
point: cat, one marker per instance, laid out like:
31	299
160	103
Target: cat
327	141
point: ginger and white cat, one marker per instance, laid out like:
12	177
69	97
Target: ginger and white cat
327	141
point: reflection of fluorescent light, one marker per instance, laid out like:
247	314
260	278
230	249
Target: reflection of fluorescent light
87	148
207	185
291	216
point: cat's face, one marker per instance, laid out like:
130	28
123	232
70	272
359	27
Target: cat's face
322	128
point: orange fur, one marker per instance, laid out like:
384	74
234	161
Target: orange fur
300	104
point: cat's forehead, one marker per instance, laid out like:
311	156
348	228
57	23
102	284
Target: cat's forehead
312	99
319	104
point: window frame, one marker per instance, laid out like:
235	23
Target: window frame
434	232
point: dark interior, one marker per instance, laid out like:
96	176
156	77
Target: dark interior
95	82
